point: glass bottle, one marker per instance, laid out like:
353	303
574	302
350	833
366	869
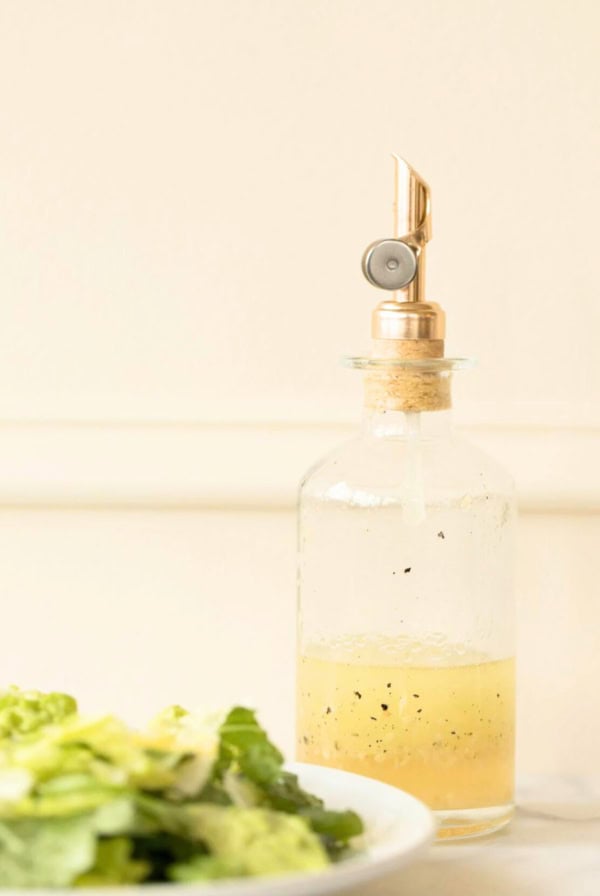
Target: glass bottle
405	636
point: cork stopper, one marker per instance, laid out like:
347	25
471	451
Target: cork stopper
406	328
405	388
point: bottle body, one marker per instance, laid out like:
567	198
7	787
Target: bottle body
406	618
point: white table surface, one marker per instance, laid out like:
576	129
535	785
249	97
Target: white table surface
552	848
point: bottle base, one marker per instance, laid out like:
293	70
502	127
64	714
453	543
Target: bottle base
462	824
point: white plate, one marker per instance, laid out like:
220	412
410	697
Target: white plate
398	827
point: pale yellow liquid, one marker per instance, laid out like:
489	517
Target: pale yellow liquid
437	722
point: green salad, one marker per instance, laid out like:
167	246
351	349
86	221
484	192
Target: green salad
91	802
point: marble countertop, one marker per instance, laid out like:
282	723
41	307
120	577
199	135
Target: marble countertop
552	848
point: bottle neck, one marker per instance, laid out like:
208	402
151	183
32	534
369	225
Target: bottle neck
381	424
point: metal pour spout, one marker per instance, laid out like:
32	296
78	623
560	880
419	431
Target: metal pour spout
397	264
412	220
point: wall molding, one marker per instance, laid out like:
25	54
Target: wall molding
229	465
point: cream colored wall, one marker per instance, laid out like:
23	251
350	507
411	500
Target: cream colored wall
187	189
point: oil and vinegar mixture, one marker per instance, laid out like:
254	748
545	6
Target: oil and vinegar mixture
436	722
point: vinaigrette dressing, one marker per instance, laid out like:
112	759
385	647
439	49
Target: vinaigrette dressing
440	727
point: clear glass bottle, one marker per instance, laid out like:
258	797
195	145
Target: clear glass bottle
406	629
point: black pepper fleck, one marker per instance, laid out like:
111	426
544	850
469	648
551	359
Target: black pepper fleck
373	718
416	695
384	706
328	710
358	694
441	534
420	710
389	684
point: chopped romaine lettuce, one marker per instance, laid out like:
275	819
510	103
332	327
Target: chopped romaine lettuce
91	802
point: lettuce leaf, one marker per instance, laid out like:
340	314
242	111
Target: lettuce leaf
162	851
23	713
245	745
114	865
245	749
102	749
45	852
204	867
257	841
56	851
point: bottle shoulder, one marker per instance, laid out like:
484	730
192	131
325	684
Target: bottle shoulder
325	466
448	465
